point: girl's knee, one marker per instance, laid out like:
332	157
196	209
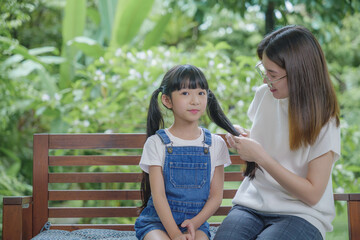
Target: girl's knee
156	234
200	235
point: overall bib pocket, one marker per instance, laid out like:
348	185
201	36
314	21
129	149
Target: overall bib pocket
188	175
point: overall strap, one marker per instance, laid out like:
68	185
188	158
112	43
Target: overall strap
207	137
163	136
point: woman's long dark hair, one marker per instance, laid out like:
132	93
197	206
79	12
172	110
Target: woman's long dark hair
312	98
179	77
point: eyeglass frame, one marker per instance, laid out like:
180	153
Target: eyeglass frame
263	75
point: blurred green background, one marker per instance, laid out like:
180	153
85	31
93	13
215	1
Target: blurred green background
90	66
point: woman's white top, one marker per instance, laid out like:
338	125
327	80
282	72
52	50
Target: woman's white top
154	150
270	128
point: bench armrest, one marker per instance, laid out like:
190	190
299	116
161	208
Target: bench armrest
353	208
354	215
17	217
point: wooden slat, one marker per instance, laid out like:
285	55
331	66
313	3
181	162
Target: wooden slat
236	160
222	211
119	227
72	227
12	228
89	160
229	193
115	177
354	218
234	176
94	177
354	196
90	212
214	224
96	141
17	200
40	181
62	195
27	221
341	197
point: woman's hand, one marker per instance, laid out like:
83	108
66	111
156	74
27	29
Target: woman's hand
248	149
243	132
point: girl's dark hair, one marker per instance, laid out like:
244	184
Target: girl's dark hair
312	98
179	77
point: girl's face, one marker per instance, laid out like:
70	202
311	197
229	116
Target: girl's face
279	88
188	105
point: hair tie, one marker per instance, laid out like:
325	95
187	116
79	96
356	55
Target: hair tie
161	89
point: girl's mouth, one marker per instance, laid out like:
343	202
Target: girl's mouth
194	111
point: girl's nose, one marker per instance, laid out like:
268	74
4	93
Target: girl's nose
195	100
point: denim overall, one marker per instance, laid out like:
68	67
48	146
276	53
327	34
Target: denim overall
186	173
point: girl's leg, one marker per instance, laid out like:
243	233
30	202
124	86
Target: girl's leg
200	235
240	223
156	234
289	228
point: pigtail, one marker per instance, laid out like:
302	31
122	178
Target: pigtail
217	115
155	121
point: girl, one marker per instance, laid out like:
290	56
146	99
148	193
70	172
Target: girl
184	163
295	139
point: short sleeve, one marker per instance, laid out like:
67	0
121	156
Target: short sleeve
153	153
328	140
256	101
222	156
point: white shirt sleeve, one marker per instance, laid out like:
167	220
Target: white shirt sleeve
256	101
328	140
153	153
221	152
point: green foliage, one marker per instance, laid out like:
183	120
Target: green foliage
73	26
129	17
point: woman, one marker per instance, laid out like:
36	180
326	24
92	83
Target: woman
294	139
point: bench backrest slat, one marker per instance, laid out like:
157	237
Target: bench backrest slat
93	160
96	141
62	195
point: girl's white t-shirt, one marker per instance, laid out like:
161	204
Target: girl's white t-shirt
154	150
270	128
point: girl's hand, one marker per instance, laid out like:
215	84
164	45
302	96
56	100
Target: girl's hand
190	227
184	236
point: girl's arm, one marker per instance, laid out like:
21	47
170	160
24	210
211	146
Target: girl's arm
309	189
160	201
214	200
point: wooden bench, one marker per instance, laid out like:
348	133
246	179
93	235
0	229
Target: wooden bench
24	217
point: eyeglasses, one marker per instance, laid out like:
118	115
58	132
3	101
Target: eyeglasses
263	74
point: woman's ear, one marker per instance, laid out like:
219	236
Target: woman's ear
166	101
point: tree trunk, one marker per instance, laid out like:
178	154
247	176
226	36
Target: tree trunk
270	17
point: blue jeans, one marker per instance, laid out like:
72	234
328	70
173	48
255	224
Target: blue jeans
246	223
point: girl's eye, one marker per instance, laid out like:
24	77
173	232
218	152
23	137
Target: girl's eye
202	93
184	93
